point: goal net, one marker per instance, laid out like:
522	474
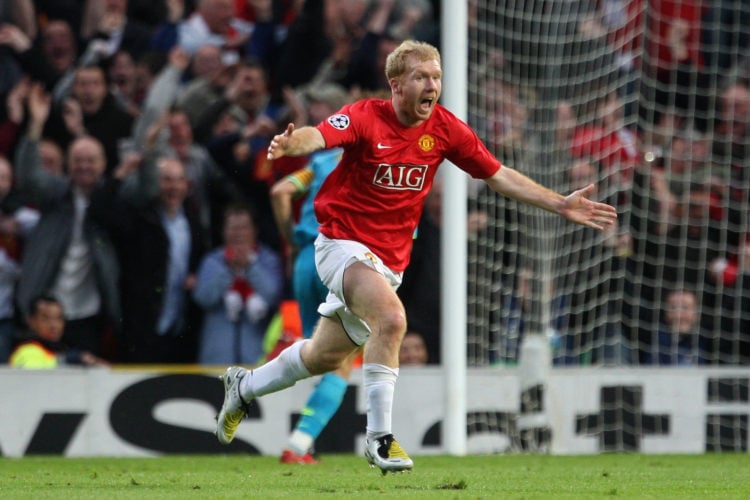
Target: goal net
648	100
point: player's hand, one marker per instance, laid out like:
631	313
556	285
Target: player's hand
578	208
280	143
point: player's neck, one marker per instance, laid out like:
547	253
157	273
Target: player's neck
403	117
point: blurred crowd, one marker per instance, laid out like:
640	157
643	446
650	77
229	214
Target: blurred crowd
651	102
136	222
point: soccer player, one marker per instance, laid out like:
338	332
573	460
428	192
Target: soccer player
310	292
368	209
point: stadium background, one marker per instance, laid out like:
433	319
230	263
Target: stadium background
639	91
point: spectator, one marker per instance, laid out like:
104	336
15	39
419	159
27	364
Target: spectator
730	150
679	340
672	53
673	249
565	125
415	19
608	140
268	22
52	157
160	243
413	350
210	190
505	125
366	68
692	241
199	82
22	14
213	23
40	346
161	95
122	75
15	104
67	254
69	11
16	222
15	17
90	110
247	98
50	57
206	62
728	309
238	286
323	30
687	162
733	130
254	10
241	153
107	22
147	67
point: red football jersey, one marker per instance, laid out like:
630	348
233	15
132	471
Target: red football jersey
376	193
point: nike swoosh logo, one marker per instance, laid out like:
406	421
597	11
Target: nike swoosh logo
383	146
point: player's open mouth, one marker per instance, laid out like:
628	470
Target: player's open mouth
426	104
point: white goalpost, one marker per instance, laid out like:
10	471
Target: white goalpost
453	238
648	100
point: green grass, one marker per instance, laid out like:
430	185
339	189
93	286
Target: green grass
347	476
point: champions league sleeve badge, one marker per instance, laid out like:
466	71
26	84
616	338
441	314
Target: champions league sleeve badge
339	121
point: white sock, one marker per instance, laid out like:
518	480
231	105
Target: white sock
300	442
380	383
281	372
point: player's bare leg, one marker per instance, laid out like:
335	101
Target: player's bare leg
324	352
372	298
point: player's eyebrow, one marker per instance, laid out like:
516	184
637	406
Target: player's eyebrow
437	73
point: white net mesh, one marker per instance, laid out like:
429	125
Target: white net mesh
649	100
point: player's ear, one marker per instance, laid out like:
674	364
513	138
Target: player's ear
395	84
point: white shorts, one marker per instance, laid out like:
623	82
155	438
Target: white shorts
332	258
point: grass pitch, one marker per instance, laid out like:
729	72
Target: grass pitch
347	476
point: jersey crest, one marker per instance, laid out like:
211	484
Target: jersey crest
426	143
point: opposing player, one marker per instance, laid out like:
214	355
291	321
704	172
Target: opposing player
368	208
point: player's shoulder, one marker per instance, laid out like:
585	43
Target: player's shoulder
444	114
359	112
444	120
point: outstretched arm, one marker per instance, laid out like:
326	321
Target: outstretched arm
575	207
299	142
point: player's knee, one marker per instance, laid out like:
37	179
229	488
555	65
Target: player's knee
393	323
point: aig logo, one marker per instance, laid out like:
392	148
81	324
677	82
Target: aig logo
400	177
